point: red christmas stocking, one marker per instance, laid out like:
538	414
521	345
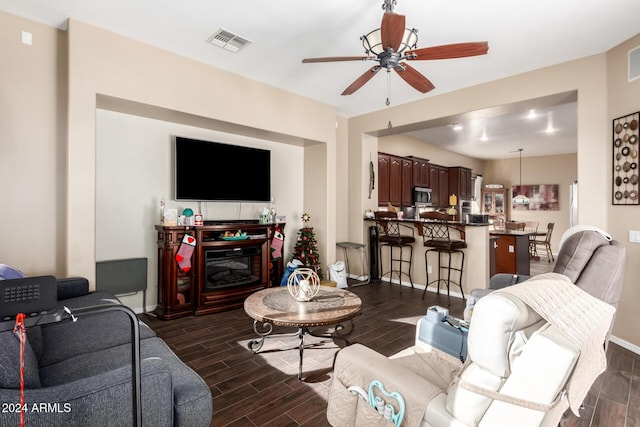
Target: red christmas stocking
276	245
185	251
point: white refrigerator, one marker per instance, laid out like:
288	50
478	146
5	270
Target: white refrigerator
573	204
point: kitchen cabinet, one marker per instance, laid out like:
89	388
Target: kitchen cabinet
443	186
494	198
406	182
420	172
460	182
395	180
439	184
398	175
434	184
384	171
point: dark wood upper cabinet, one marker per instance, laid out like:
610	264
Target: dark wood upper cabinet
443	186
434	184
395	180
398	175
384	171
420	172
460	182
407	182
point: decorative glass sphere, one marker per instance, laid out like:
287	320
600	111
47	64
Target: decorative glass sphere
303	284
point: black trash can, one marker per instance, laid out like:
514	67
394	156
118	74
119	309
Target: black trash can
373	254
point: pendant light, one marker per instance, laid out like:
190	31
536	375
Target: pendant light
520	199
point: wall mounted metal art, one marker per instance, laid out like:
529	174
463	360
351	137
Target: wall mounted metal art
625	160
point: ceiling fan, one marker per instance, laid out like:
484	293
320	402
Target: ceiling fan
392	43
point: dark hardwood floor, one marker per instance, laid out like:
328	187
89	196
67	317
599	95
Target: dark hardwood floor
263	390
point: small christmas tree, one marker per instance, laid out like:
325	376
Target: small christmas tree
306	249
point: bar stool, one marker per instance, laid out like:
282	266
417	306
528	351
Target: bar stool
389	229
436	235
345	249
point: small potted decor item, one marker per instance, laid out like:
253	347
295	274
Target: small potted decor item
303	284
188	216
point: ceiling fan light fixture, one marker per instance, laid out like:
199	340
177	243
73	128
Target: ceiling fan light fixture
393	43
372	41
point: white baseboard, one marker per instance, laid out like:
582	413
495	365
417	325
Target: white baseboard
625	344
419	286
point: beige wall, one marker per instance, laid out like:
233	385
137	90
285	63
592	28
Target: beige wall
104	63
561	170
32	146
623	99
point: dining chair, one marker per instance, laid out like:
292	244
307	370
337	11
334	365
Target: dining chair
531	227
546	243
515	226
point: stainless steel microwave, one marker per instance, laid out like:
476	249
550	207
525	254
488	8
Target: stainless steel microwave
421	196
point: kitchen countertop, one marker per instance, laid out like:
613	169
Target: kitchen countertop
511	232
413	221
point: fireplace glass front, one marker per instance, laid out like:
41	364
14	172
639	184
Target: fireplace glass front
227	268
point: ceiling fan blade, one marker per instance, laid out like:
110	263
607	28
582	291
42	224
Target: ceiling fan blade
392	30
360	81
338	59
414	78
457	50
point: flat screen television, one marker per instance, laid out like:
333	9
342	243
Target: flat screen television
214	171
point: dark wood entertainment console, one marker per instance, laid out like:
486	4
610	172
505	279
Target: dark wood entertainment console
198	291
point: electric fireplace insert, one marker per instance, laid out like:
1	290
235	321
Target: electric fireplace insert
228	268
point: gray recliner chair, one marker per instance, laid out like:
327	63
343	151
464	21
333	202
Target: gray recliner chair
588	256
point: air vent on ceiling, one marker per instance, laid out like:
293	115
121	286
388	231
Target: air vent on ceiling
634	63
228	40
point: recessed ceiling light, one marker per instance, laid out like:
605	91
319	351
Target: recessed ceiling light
456	126
550	128
484	136
532	114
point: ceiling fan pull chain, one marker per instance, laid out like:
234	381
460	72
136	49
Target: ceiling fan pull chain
388	88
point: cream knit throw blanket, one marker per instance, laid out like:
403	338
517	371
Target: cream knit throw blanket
583	318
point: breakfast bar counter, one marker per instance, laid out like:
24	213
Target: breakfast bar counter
476	264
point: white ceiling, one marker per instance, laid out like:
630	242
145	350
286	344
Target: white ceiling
522	36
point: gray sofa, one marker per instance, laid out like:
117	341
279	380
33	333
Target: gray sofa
79	373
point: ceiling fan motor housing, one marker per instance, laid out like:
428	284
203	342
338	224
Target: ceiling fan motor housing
389	59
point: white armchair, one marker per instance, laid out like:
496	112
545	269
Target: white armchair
525	365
